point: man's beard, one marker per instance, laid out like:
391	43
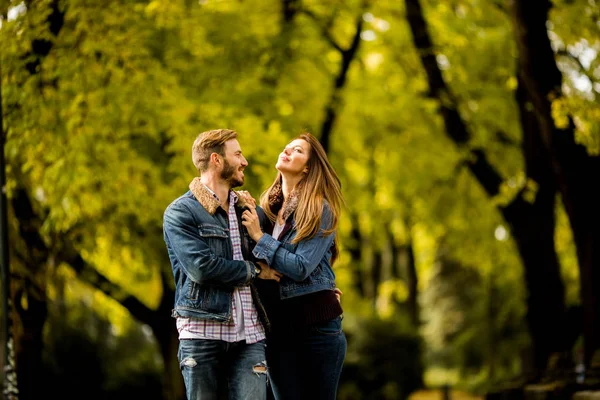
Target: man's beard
227	175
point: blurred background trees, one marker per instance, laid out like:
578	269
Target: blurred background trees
465	133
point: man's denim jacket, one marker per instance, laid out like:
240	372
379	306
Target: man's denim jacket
196	232
306	266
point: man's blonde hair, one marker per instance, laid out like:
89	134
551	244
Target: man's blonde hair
210	142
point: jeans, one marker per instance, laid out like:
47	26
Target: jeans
214	369
307	364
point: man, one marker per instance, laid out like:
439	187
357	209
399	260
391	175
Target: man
219	319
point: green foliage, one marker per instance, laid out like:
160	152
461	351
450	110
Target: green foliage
473	324
90	352
576	37
100	136
383	362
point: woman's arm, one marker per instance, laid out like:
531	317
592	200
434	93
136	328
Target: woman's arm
297	265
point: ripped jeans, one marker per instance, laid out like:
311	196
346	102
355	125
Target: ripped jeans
218	370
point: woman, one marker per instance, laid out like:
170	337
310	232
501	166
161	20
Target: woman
306	346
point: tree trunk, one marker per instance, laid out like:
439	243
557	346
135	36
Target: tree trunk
173	386
333	106
166	335
492	312
8	375
29	343
356	255
446	393
376	269
571	162
532	224
29	299
535	241
282	53
28	295
31	291
163	326
410	272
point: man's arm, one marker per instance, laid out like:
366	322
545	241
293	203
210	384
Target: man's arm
192	251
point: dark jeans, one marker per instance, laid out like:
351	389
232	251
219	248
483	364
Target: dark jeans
306	364
214	369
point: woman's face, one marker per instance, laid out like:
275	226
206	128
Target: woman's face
294	157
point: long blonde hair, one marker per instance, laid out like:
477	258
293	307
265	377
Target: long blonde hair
320	184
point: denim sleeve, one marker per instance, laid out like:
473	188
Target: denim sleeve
192	251
300	264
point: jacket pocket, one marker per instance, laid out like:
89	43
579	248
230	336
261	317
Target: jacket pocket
213	231
216	237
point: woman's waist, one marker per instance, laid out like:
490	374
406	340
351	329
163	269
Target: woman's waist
290	289
304	310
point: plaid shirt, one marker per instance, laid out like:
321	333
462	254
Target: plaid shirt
244	323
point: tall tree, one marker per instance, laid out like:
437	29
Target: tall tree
9	385
535	242
572	163
347	55
47	235
29	294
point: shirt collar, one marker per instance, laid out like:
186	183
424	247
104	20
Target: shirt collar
233	198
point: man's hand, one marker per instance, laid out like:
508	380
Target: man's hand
268	273
252	224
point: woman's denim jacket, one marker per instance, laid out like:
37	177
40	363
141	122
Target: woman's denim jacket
196	232
306	265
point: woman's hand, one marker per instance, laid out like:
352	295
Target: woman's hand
247	197
267	272
252	224
338	294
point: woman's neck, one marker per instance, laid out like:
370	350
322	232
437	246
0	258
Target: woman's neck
288	183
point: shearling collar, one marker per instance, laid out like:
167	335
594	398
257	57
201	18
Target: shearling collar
207	200
276	200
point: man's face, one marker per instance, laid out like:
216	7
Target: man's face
234	164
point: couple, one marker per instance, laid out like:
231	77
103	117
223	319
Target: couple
255	294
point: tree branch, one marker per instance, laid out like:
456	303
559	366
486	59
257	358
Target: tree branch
88	274
289	9
506	140
40	48
577	61
29	228
324	29
332	108
456	129
501	6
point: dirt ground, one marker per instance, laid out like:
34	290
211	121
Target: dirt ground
437	395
